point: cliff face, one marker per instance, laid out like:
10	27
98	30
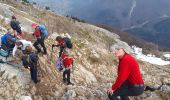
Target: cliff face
94	67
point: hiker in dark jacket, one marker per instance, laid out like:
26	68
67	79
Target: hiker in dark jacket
67	64
129	81
63	43
8	40
15	26
30	59
40	39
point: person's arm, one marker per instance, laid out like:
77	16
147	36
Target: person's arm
54	45
14	50
123	73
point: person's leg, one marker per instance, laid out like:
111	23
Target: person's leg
68	76
125	90
64	76
34	75
122	92
36	46
61	50
113	97
31	72
43	46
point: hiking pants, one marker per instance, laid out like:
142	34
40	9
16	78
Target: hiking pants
33	71
61	50
41	42
66	73
127	90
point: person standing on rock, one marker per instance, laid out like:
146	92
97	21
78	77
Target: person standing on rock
15	26
30	59
67	64
129	81
41	34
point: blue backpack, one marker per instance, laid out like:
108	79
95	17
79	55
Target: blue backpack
43	30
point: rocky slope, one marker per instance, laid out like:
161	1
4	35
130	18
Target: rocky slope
94	68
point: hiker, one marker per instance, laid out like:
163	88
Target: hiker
21	44
30	59
63	43
40	33
15	26
67	64
8	40
129	81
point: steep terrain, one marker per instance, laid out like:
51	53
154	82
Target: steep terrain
94	67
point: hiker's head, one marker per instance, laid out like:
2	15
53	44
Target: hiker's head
58	38
13	17
34	25
119	52
28	49
19	43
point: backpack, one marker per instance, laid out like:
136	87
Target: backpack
59	64
30	59
68	42
4	53
43	30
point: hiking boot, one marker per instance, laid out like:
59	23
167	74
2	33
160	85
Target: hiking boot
44	53
69	83
64	80
38	81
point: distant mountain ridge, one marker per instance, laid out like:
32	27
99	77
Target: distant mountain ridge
121	14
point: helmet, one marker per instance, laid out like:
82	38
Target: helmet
34	25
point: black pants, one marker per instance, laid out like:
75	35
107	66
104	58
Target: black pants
66	73
33	71
126	90
41	42
61	50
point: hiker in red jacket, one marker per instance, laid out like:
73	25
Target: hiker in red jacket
129	81
68	63
40	38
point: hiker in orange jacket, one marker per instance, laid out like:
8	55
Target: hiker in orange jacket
129	81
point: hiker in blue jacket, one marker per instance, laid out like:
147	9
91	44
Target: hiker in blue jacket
8	40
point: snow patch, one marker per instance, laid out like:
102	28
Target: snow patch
25	98
149	57
132	8
167	55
